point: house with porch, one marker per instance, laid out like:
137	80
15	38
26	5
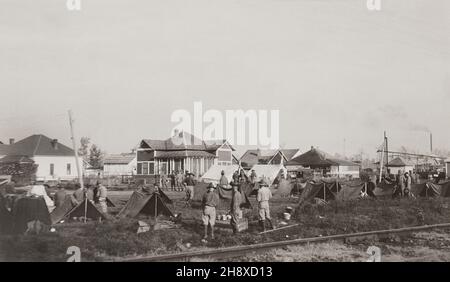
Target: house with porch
181	152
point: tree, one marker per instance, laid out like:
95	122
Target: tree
83	151
96	157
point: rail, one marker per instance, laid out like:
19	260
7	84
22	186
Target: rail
230	252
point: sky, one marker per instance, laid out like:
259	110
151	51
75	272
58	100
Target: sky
334	69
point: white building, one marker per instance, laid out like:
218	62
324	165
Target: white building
54	160
121	164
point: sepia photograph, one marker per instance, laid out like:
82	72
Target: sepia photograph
219	132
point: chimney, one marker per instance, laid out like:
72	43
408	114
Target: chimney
175	132
55	144
11	141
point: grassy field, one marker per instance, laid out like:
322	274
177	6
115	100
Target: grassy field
117	237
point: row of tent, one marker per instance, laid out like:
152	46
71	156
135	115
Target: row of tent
427	189
17	211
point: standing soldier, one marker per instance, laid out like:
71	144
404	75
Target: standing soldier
407	184
400	187
223	182
180	181
172	180
60	196
102	194
253	178
163	181
189	183
236	212
263	197
210	201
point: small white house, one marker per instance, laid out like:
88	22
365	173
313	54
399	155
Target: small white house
54	160
121	164
399	164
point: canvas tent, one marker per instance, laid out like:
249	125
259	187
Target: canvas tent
69	209
5	217
214	173
284	188
322	190
27	209
145	204
39	190
268	172
351	192
432	190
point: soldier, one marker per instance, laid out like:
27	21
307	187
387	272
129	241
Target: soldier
253	178
210	201
223	182
263	197
236	212
189	183
407	191
102	194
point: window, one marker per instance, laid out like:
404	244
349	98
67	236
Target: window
151	168
145	168
69	169
224	156
52	169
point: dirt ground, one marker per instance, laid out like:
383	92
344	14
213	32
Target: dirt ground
117	238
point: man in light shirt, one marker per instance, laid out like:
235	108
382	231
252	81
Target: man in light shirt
263	197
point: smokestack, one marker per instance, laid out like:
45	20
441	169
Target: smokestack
11	141
431	143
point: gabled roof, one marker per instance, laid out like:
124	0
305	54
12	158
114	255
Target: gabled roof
399	162
183	141
316	157
36	145
15	159
289	153
256	156
119	159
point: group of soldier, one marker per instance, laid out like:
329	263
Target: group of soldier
96	194
403	185
210	201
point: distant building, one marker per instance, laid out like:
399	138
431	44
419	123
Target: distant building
268	157
317	159
120	164
181	152
54	160
399	163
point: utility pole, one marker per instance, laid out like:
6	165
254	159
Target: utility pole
80	175
387	147
74	143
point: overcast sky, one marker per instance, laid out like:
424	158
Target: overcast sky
334	69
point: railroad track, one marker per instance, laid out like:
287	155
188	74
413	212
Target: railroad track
237	251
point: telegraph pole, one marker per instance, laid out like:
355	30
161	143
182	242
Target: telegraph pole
74	143
80	174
